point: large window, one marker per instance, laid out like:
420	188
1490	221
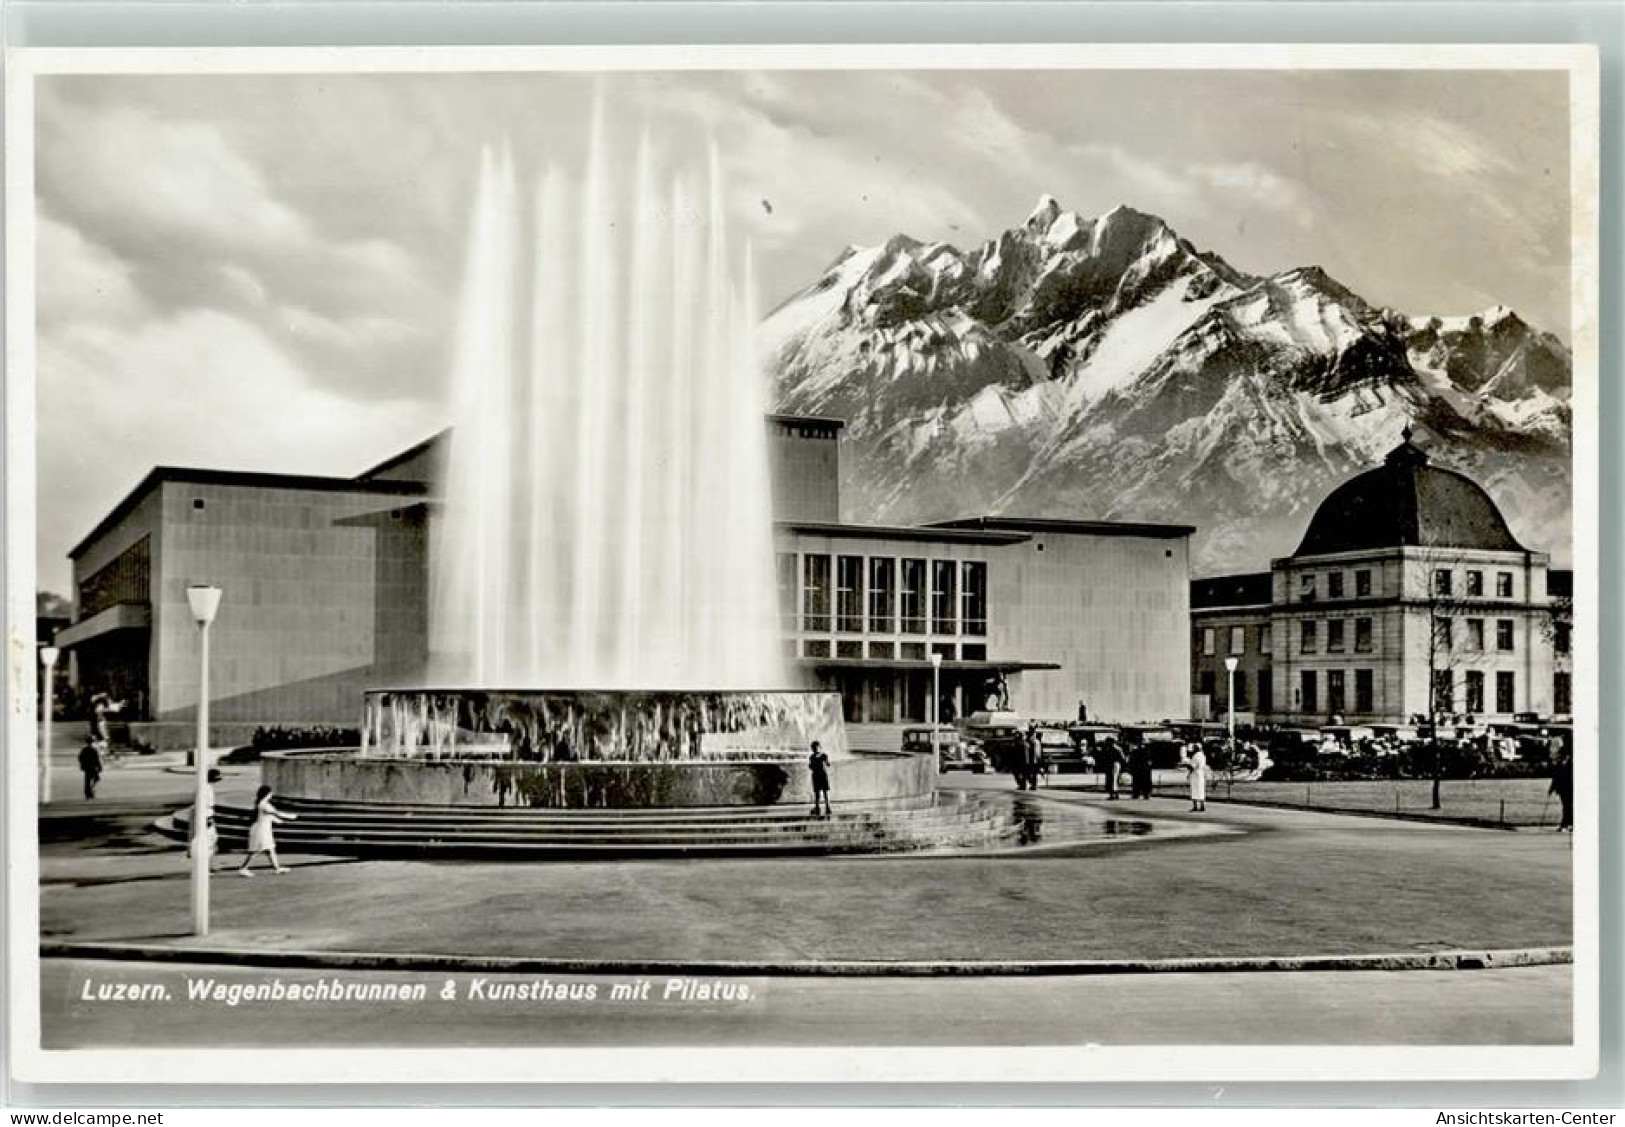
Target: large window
1241	689
1505	683
1306	636
789	590
1475	584
1441	581
1444	690
849	594
128	579
913	593
1307	585
1238	639
1207	641
1562	693
1308	698
975	597
1365	701
1503	635
1206	681
1336	692
1475	690
1362	583
1475	634
815	594
1503	584
944	596
1562	638
1444	638
1334	636
1362	635
1266	639
1334	585
882	594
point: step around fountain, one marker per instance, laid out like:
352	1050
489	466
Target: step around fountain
356	829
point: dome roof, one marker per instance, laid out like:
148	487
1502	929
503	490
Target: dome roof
1407	502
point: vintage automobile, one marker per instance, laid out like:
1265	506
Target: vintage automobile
953	752
1159	741
998	734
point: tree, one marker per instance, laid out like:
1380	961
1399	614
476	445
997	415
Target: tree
48	604
1441	576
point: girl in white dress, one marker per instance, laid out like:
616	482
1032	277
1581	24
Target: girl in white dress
261	839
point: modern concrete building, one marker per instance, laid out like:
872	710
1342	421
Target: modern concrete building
327	590
1408	595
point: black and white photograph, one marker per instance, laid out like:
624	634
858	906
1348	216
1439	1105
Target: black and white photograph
888	563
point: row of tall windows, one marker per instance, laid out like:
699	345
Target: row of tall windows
1471	699
1444	583
1309	584
1235	639
1337	635
1473	636
1337	691
882	595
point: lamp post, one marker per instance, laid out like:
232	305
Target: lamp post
47	660
1230	664
936	702
204	601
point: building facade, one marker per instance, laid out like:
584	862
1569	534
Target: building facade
327	594
1408	597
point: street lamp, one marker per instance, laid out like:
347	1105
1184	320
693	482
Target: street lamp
204	601
47	660
1230	664
936	699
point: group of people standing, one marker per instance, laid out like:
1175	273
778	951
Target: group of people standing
1112	761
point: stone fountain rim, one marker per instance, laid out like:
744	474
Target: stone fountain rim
609	691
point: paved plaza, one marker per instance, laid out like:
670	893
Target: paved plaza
1275	883
1282	883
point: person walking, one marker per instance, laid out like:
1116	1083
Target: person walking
818	766
1139	771
1111	763
1195	764
261	838
90	765
1563	787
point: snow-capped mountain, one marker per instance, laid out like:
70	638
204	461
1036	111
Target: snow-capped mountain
1106	368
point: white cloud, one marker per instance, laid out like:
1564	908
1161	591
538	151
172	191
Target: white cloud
80	280
201	388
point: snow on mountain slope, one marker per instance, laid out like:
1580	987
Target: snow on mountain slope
1107	368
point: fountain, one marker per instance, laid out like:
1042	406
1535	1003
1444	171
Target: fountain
604	624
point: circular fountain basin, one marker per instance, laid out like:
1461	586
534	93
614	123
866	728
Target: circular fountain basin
596	749
341	774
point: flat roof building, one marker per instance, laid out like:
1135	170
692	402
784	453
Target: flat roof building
327	594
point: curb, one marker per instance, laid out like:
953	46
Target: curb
501	964
1463	820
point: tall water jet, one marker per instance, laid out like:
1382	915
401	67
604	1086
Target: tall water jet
606	517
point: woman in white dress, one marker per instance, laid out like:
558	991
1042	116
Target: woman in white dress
1195	765
261	839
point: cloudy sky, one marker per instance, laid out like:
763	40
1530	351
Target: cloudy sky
261	272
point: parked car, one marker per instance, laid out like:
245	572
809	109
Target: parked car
953	752
1159	741
998	734
1061	752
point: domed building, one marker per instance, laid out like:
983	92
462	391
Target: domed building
1408	595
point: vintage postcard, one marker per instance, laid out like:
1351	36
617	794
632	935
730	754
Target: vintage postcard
803	564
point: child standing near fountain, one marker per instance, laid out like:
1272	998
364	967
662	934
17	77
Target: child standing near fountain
261	838
818	764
